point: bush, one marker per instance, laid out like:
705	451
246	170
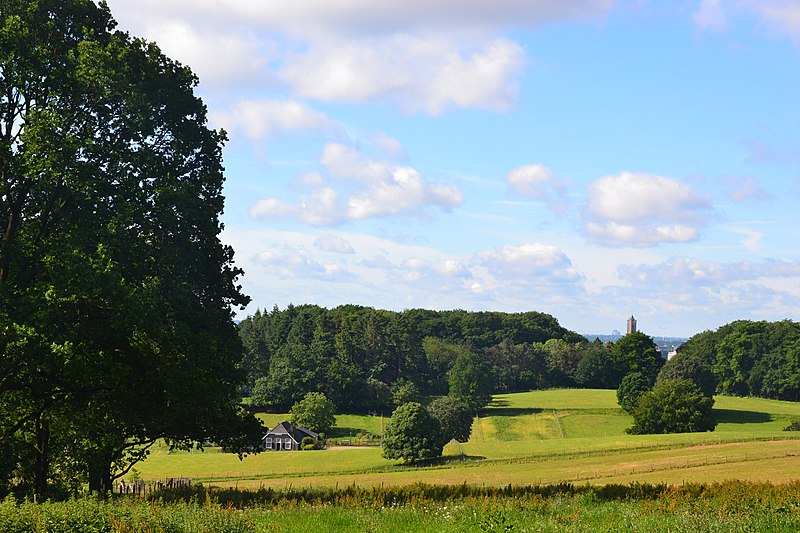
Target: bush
630	389
412	434
794	425
673	406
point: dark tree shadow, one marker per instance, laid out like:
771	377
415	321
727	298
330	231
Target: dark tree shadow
732	416
448	460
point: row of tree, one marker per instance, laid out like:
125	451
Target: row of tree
750	358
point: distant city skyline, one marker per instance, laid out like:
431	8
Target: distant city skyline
590	159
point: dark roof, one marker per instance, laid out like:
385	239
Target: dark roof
295	432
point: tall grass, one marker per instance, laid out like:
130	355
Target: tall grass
561	507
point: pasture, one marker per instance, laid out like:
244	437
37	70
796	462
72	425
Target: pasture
526	438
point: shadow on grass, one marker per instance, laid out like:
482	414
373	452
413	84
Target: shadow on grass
338	432
732	416
446	460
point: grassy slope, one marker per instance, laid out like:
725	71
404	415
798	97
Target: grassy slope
519	440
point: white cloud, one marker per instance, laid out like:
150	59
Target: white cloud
370	189
332	243
528	263
321	17
290	262
406	192
388	145
263	118
421	73
643	210
538	182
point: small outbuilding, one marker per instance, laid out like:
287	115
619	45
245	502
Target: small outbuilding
286	436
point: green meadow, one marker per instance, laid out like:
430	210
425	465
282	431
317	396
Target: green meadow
526	438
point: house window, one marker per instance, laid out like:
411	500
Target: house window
268	443
287	444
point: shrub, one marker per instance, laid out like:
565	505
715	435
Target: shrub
794	425
673	406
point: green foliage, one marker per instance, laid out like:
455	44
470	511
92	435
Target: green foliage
673	406
455	419
631	389
115	289
691	367
404	391
412	434
351	352
636	352
598	369
518	367
471	381
752	358
315	412
794	425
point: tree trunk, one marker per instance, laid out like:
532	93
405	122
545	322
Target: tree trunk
41	461
100	476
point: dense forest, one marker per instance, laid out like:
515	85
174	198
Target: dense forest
752	358
368	359
362	357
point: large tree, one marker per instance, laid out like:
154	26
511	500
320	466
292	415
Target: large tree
116	292
471	381
673	406
412	434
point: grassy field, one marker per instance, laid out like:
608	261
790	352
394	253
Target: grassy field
534	437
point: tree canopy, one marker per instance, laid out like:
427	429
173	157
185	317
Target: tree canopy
116	292
315	412
673	406
412	434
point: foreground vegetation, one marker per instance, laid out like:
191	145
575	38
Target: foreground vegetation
563	507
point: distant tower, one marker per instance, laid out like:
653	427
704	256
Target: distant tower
631	325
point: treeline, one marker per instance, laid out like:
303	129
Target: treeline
751	358
367	359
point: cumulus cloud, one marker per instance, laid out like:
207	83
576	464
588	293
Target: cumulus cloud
425	56
429	74
528	263
538	182
332	243
640	209
372	189
259	119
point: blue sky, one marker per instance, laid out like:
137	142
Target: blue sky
590	159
